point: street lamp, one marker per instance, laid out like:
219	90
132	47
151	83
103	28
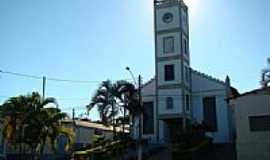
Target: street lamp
132	75
140	111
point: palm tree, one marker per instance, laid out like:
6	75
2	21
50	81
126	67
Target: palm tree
130	97
32	121
13	113
48	123
122	93
107	102
109	98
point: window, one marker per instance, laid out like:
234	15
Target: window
169	103
148	117
184	19
187	78
169	72
187	100
168	45
259	123
185	47
209	113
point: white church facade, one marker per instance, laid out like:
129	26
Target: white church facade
179	95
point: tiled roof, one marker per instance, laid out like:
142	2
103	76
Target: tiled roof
92	125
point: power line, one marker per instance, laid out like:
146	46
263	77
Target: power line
21	74
150	95
50	79
71	81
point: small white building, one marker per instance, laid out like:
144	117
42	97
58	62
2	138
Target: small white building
84	131
178	94
252	116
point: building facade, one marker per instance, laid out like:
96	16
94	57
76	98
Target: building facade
179	95
252	116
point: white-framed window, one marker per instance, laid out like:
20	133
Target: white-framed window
185	46
169	72
148	117
168	44
184	19
187	74
210	114
187	102
169	103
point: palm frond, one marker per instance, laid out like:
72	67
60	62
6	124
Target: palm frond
69	134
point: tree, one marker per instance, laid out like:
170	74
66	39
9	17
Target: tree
132	101
106	99
48	125
30	120
122	93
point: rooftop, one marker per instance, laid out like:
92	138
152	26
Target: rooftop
91	125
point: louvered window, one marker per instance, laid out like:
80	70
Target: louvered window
209	113
169	72
168	44
148	118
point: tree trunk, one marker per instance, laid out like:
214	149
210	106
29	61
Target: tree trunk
140	147
123	122
113	124
41	151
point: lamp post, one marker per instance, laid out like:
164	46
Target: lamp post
140	112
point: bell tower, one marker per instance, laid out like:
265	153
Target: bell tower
172	63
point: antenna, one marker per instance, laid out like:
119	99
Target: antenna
266	75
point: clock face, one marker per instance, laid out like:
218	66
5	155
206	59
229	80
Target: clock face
167	17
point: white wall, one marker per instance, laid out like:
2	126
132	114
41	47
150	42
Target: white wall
148	94
177	72
204	86
176	94
177	44
176	20
251	145
161	131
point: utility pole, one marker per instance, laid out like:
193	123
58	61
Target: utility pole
43	87
73	114
139	144
140	117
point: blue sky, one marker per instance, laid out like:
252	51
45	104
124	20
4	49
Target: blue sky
95	39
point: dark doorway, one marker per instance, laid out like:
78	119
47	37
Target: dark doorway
173	128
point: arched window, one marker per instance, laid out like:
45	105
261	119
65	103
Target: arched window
169	102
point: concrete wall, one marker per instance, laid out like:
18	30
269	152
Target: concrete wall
85	135
205	86
251	145
148	94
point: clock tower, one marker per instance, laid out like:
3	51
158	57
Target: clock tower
172	65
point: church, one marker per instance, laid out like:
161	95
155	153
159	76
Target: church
179	95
